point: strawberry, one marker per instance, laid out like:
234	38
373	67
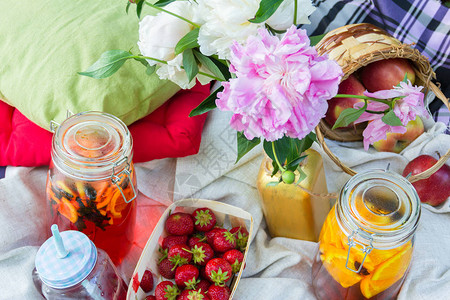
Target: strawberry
166	290
216	292
223	241
203	284
179	224
235	258
204	219
212	233
241	235
196	238
202	253
172	240
186	276
167	269
136	282
147	281
179	256
151	297
197	294
218	270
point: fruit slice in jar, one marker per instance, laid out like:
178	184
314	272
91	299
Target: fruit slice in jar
330	233
334	260
394	267
370	287
68	210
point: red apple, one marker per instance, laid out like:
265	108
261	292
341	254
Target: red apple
351	86
396	142
384	74
435	189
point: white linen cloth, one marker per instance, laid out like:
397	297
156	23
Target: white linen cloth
277	268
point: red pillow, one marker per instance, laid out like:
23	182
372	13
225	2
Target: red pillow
167	132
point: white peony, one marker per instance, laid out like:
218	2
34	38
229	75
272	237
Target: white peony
176	74
226	21
283	17
158	36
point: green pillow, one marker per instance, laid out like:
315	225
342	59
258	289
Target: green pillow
44	43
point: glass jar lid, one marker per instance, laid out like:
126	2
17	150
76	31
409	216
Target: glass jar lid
378	208
90	144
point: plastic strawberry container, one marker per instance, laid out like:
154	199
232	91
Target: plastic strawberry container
228	215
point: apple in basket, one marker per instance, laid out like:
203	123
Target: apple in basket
384	74
396	142
435	189
350	86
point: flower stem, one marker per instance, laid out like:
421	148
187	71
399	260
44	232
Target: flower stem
387	102
173	14
151	58
295	12
165	62
276	158
209	75
377	112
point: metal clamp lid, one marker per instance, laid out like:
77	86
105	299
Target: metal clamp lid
115	179
366	249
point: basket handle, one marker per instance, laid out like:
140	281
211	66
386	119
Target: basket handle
424	175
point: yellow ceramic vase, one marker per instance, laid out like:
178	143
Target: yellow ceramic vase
291	210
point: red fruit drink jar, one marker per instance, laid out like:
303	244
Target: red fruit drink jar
91	181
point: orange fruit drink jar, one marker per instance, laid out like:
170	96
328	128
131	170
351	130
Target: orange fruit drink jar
367	240
91	183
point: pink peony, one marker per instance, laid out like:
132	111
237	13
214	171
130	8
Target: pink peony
406	108
281	86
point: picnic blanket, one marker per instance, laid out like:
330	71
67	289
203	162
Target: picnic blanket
277	268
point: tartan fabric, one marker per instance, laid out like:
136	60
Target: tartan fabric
424	23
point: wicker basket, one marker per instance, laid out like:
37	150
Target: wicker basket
357	45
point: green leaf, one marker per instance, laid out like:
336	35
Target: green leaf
348	116
188	41
312	136
244	145
210	64
315	39
293	164
266	9
108	64
405	79
128	7
162	3
288	149
150	70
273	31
302	174
391	119
139	6
190	64
275	168
207	104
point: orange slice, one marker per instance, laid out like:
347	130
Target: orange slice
113	204
394	267
330	233
370	287
334	260
68	210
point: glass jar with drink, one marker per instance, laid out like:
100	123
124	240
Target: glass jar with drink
367	240
91	181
